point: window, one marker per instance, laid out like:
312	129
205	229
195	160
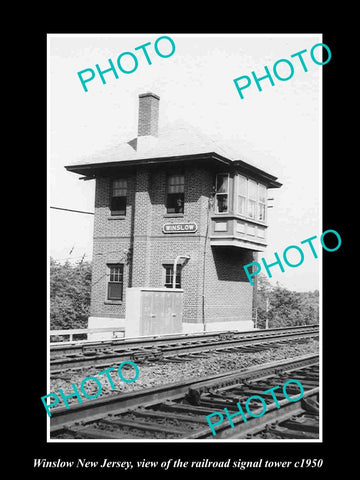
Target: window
241	194
169	275
262	203
252	189
175	194
115	281
118	197
222	193
251	198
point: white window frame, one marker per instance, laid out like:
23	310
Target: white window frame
172	175
262	203
257	201
237	195
114	212
108	281
178	274
254	200
227	193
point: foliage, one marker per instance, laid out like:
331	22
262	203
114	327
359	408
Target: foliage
70	287
285	307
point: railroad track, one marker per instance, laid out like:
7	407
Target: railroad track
178	410
175	348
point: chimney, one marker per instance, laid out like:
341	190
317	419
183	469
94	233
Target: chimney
148	114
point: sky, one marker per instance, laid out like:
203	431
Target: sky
277	129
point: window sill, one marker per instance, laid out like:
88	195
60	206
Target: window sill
117	217
175	215
113	302
238	216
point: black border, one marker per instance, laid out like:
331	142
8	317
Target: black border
336	143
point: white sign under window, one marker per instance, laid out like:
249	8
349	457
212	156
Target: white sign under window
179	227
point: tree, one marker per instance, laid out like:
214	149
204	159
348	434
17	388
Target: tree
285	307
264	289
70	287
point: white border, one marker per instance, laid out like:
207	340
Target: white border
147	35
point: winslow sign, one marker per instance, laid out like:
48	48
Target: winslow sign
179	227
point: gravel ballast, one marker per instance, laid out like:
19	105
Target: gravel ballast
156	373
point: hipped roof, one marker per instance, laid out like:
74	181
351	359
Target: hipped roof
176	142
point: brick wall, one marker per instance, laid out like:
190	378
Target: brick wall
112	241
142	229
228	294
148	114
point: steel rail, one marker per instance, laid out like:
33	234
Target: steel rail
117	403
169	349
253	425
156	340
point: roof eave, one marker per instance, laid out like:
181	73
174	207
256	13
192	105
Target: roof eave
270	180
91	170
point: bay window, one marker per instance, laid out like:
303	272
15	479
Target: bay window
250	198
222	193
252	194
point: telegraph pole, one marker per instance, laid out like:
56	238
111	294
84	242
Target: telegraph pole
267	304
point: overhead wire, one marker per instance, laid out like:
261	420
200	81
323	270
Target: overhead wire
72	210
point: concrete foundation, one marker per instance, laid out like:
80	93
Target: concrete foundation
106	322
